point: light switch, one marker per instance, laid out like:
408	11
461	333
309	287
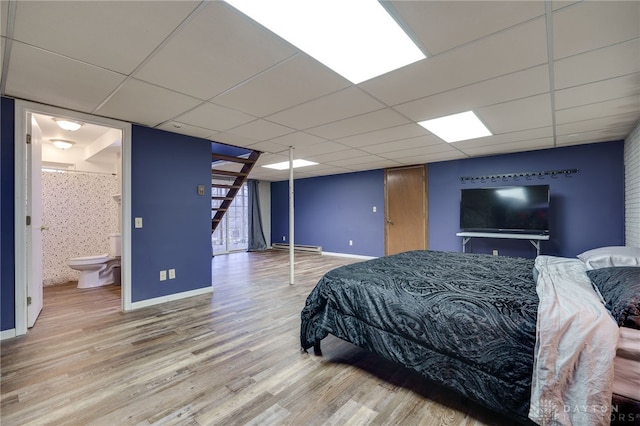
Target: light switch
172	274
138	222
163	275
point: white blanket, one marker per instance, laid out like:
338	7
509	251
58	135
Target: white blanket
576	340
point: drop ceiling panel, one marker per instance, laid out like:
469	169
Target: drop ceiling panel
114	35
269	147
233	139
506	138
517	146
371	164
186	129
317	149
431	158
330	157
611	122
522	114
143	103
4	17
215	117
521	84
595	136
425	150
360	124
597	65
599	91
385	135
360	159
590	25
336	106
518	48
261	130
294	81
433	21
298	139
403	144
41	76
218	49
629	104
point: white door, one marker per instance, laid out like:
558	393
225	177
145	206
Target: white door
35	228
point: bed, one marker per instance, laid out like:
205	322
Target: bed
501	331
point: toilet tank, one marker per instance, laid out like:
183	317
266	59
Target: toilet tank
115	246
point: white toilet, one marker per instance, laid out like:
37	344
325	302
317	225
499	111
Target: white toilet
98	270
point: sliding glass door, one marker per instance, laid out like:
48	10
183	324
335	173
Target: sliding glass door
233	233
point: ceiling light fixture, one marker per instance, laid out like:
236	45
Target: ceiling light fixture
69	125
457	127
358	39
285	164
62	144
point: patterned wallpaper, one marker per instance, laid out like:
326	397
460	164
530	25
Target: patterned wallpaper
80	213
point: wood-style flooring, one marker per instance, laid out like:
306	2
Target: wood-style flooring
231	358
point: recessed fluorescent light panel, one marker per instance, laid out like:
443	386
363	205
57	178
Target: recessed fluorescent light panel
285	164
358	39
457	127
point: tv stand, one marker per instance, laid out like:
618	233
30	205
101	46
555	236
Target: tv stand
534	239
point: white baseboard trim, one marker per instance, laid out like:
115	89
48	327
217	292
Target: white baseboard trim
355	256
8	334
170	297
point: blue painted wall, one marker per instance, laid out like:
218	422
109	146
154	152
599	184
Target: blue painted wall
586	210
165	171
331	210
7	249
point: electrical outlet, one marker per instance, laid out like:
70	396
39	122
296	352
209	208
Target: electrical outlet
172	274
495	252
163	275
375	209
138	222
350	242
284	238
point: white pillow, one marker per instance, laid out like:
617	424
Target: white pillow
605	257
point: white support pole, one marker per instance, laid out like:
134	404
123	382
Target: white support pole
291	223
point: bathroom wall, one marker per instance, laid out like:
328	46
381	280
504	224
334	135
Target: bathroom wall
79	213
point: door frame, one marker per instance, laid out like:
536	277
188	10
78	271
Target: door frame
22	266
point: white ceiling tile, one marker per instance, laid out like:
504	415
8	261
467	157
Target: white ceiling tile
597	65
402	144
443	25
522	114
506	138
598	91
143	103
521	84
371	164
319	148
359	159
294	81
215	117
269	147
298	139
233	139
575	128
417	152
41	76
431	158
261	130
508	51
359	124
590	25
602	135
114	35
4	17
528	145
385	135
336	106
186	129
335	156
218	49
629	104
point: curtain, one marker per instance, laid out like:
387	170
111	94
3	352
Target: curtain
256	235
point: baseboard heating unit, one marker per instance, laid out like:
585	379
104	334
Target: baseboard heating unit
297	247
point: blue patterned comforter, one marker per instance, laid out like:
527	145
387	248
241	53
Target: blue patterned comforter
467	321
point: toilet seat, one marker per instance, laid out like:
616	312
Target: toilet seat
88	260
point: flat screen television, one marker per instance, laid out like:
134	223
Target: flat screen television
506	209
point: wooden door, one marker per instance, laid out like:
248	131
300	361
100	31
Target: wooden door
405	209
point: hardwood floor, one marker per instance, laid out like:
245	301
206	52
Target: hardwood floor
231	358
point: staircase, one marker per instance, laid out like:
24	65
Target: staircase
234	178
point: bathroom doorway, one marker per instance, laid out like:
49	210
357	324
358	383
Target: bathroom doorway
70	174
